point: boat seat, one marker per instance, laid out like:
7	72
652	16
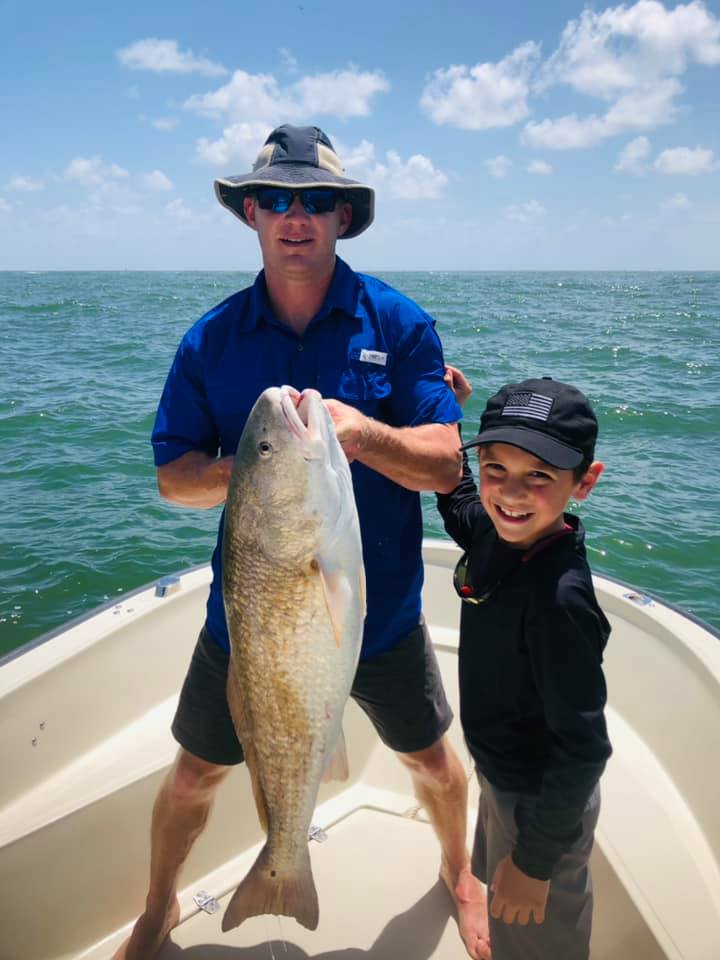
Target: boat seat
138	750
657	849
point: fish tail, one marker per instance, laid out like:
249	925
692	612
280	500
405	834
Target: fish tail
288	894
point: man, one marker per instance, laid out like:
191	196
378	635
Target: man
310	321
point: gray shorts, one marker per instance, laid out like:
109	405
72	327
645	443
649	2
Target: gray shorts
565	932
400	690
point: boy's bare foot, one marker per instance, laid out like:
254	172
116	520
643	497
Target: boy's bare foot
149	934
472	911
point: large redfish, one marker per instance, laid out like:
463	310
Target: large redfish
294	591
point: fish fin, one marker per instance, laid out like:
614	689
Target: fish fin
337	767
260	802
338	596
240	723
287	895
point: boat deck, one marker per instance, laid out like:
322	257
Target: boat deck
85	730
370	897
376	872
376	876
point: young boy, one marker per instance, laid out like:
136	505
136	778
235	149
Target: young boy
532	690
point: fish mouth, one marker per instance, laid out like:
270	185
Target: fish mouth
302	414
289	402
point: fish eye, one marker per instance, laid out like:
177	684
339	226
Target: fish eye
265	448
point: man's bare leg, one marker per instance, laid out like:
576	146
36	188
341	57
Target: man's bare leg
441	788
179	816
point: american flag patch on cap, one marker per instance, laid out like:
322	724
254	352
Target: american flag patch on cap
532	405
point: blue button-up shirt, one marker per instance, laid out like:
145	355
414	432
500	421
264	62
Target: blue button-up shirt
369	346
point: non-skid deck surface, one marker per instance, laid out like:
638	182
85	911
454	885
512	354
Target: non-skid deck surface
373	896
380	899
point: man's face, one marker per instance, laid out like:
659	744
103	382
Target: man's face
298	243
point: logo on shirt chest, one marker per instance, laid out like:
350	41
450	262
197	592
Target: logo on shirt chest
376	357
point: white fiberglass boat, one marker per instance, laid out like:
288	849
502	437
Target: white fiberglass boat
84	742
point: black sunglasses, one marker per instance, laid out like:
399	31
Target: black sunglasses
313	199
462	581
463	584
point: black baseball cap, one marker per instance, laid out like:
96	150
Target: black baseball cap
549	419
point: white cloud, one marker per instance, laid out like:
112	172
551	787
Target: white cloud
255	103
639	110
629	57
677	202
525	212
115	198
108	183
416	179
645	108
342	93
239	143
633	157
251	98
356	158
164	123
540	167
5	207
91	171
567	133
25	185
625	48
179	211
483	96
499	166
157	180
246	97
163	56
686	160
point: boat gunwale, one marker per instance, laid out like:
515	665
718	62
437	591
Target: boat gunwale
432	542
93	612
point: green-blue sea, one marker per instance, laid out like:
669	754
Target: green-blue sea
85	355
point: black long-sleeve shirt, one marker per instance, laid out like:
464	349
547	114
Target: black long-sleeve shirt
532	690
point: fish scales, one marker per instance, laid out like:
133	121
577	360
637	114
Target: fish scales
285	726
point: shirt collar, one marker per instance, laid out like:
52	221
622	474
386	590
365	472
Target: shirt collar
343	295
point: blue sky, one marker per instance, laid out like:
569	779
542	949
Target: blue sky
513	135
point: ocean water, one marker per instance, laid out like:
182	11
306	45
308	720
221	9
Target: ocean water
85	355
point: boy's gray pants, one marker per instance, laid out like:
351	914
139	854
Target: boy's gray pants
565	933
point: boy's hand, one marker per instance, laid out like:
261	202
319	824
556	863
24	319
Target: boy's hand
458	383
516	895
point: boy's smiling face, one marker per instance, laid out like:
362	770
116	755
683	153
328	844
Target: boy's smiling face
525	497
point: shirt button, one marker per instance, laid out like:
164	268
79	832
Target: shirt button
300	348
